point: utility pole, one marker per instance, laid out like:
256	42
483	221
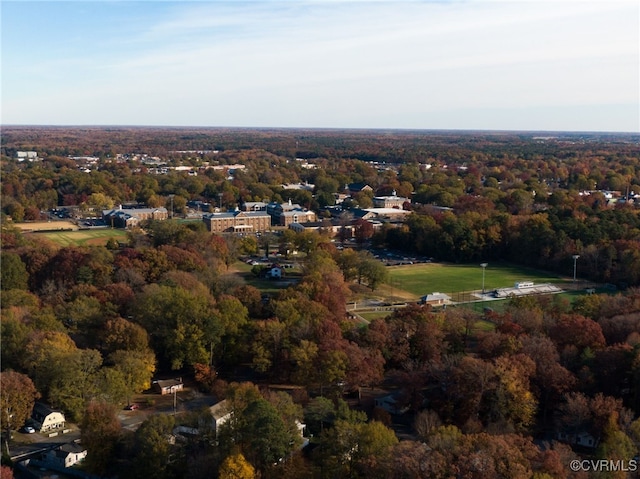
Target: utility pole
174	390
8	436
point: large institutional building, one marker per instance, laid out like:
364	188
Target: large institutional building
130	217
237	222
284	214
393	201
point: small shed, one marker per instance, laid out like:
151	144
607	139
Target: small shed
168	386
435	299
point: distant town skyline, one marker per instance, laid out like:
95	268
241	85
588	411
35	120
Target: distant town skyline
568	65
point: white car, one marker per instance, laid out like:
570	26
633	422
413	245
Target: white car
29	430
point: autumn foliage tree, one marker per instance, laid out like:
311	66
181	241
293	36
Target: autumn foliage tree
6	472
578	331
17	399
264	431
14	273
236	467
184	324
100	432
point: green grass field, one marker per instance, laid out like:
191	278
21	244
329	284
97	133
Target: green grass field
84	237
484	326
371	315
420	279
243	270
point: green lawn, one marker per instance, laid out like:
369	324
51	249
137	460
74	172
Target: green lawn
484	326
420	279
371	315
84	237
243	270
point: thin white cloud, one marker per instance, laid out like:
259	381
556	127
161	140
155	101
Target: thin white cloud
359	51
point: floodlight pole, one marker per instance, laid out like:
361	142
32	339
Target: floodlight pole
575	262
483	266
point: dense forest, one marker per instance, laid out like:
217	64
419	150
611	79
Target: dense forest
85	328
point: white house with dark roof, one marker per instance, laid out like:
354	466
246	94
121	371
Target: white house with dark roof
67	455
46	418
220	412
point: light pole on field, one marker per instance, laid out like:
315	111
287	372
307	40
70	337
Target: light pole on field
483	266
575	264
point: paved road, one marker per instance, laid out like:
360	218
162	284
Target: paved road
26	445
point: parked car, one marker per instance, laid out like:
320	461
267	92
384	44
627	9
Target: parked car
131	407
28	430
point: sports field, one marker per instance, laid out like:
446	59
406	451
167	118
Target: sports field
420	279
46	226
84	237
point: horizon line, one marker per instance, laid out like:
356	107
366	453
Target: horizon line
319	128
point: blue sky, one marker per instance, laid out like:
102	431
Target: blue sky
570	65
